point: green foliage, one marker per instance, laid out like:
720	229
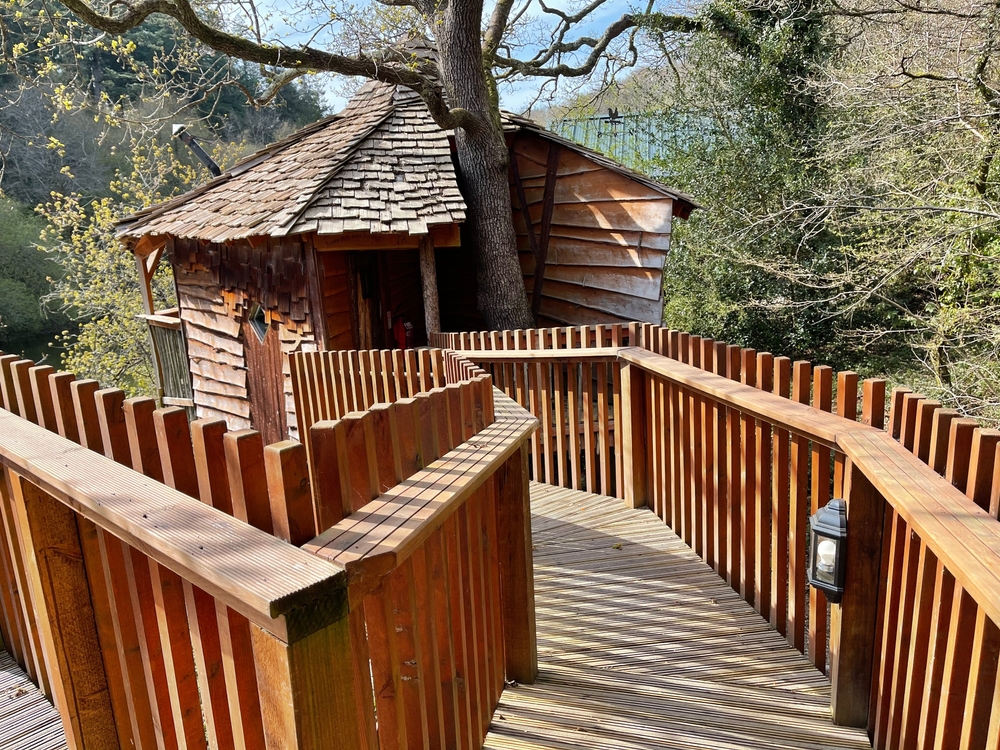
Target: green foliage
99	285
24	278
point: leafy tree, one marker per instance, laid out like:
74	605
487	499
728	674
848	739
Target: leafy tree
24	278
457	76
99	281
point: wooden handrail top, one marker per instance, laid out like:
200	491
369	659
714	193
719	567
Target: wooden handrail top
963	536
284	590
163	321
384	533
801	419
599	354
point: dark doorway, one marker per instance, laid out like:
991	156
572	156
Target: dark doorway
265	382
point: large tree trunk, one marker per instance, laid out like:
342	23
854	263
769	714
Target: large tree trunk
482	159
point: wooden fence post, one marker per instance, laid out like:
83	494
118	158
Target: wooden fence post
517	578
634	436
311	702
65	616
853	623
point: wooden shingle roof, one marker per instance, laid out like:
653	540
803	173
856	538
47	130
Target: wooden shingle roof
380	165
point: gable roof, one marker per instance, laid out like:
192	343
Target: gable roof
683	203
380	165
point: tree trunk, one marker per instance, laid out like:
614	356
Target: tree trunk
482	160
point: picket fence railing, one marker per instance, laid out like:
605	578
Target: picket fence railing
172	584
734	449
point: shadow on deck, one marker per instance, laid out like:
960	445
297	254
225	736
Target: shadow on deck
642	645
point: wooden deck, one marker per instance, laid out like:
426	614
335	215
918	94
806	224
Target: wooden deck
27	720
642	645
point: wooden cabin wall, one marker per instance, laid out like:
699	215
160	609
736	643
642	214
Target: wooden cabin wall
609	239
215	348
217	287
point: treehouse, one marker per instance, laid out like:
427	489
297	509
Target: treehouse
348	235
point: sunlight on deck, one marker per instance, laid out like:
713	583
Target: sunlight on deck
27	720
641	645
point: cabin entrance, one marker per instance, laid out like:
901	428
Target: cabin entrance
372	299
265	381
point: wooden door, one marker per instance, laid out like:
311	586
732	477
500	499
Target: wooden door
265	382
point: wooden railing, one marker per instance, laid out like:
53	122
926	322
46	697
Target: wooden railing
153	620
170	357
724	446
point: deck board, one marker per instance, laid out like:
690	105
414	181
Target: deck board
644	646
27	720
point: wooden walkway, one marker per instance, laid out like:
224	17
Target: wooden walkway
27	720
642	645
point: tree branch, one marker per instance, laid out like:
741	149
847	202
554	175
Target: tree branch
536	67
393	66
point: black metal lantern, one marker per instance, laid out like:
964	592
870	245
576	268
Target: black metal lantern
828	551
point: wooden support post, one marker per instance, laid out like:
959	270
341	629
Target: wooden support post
308	698
428	282
634	437
517	578
853	627
65	616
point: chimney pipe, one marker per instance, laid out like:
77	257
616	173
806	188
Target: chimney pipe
180	131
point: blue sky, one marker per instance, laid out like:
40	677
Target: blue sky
513	97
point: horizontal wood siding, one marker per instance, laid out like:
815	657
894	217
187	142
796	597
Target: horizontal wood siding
217	286
215	355
608	241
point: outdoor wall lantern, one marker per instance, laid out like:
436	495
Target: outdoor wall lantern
828	551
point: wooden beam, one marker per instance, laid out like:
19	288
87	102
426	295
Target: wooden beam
307	690
65	616
525	210
853	622
317	310
428	282
634	435
517	578
548	203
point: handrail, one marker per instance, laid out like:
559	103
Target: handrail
284	590
599	354
801	419
963	536
380	536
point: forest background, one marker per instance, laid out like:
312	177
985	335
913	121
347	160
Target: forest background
844	154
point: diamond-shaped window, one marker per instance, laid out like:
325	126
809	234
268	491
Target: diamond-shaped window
258	321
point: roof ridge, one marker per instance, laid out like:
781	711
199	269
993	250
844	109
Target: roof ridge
335	170
258	157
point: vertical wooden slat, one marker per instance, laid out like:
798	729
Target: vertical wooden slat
707	439
177	457
748	512
798	512
634	436
780	496
822	400
762	494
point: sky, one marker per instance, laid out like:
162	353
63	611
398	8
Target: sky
516	97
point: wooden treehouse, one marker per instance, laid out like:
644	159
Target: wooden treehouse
571	537
341	236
